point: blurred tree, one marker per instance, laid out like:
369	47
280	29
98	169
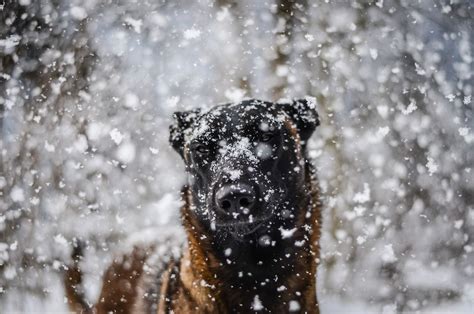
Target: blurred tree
45	66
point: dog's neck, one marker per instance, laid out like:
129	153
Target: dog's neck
287	280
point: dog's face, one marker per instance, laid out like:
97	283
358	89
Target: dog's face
246	164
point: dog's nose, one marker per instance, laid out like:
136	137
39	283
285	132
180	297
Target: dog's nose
233	198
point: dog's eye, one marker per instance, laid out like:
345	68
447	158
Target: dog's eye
202	150
267	136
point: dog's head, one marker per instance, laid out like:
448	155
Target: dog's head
246	164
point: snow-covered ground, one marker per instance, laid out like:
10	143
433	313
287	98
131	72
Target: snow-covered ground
329	304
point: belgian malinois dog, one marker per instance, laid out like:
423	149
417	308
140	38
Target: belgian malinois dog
251	213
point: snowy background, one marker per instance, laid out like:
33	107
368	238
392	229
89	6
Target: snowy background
87	89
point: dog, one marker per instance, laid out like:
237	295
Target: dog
251	213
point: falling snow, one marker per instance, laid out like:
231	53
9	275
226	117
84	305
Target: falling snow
88	90
432	166
257	304
116	136
192	33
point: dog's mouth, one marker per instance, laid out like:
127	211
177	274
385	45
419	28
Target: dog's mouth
240	229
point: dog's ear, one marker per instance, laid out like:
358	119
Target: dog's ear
182	122
304	115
